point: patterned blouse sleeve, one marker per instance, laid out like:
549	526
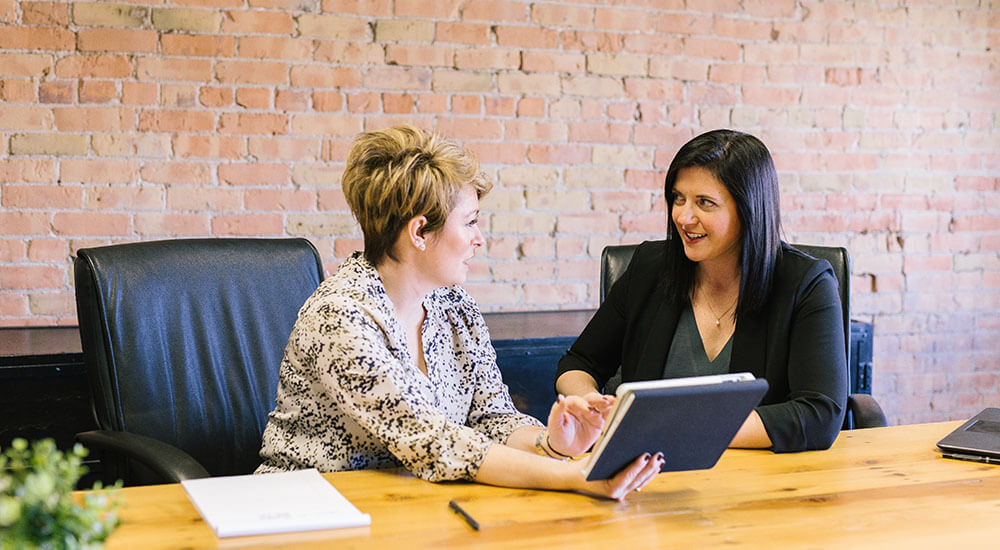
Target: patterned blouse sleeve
492	412
364	378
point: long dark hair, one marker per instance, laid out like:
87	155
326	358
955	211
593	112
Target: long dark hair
744	166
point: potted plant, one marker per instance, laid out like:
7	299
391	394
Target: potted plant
37	505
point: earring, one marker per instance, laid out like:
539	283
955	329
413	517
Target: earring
421	246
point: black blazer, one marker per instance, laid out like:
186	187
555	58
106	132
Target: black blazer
796	343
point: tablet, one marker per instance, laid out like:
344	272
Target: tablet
691	420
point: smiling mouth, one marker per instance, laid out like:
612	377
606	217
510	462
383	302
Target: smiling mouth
694	236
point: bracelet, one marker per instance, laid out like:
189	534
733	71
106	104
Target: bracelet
540	449
553	449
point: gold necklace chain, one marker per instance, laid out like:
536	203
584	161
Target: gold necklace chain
718	318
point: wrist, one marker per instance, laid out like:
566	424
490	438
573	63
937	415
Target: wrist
559	455
544	448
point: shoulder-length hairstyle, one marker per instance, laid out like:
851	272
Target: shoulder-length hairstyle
399	173
744	166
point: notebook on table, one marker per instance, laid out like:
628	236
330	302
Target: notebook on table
977	440
691	420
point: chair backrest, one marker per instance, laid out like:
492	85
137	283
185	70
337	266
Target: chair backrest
183	338
615	258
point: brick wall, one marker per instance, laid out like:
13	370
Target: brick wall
145	120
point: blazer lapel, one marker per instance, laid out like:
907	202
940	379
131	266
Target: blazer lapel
750	346
653	357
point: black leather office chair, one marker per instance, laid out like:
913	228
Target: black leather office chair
863	410
182	341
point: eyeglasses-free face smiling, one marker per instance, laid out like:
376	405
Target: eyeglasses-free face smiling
705	215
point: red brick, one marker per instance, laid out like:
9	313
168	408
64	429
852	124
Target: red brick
587	223
252	72
247	224
397	78
24	64
463	128
259	200
198	45
495	11
553	62
350	53
466	104
172	224
241	22
27	170
254	174
432	103
500	106
138	93
531	107
325	77
442	9
176	120
400	103
42	196
283	148
357	7
36	38
276	47
213	96
57	91
623	19
44	13
253	98
419	54
101	91
558	294
31	277
591	41
253	123
17	91
526	37
684	23
132	198
211	199
561	15
291	100
94	119
90	223
98	171
530	130
559	154
179	95
598	132
653	44
117	40
176	173
463	33
47	250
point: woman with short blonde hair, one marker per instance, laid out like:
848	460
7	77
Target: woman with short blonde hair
390	362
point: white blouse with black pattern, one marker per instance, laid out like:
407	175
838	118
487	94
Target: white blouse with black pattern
351	397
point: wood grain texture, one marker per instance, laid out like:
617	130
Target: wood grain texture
883	487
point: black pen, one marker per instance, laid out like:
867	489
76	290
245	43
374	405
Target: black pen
465	515
973	458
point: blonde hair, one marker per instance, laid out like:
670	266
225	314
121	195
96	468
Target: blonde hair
399	173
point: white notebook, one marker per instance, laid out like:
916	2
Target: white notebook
235	506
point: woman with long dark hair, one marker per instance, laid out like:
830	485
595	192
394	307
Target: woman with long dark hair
722	294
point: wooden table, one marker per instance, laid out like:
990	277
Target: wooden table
876	488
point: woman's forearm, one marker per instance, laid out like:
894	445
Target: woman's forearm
752	434
576	382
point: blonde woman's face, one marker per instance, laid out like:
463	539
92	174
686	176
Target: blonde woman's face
450	248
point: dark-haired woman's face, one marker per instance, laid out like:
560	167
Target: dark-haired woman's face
705	215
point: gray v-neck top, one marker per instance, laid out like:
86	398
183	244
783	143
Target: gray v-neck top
687	355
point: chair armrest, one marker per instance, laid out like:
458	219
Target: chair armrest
167	461
866	411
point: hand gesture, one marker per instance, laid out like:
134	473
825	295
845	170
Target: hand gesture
575	422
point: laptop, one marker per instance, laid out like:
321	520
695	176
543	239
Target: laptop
977	440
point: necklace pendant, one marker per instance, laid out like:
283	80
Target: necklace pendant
717	322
